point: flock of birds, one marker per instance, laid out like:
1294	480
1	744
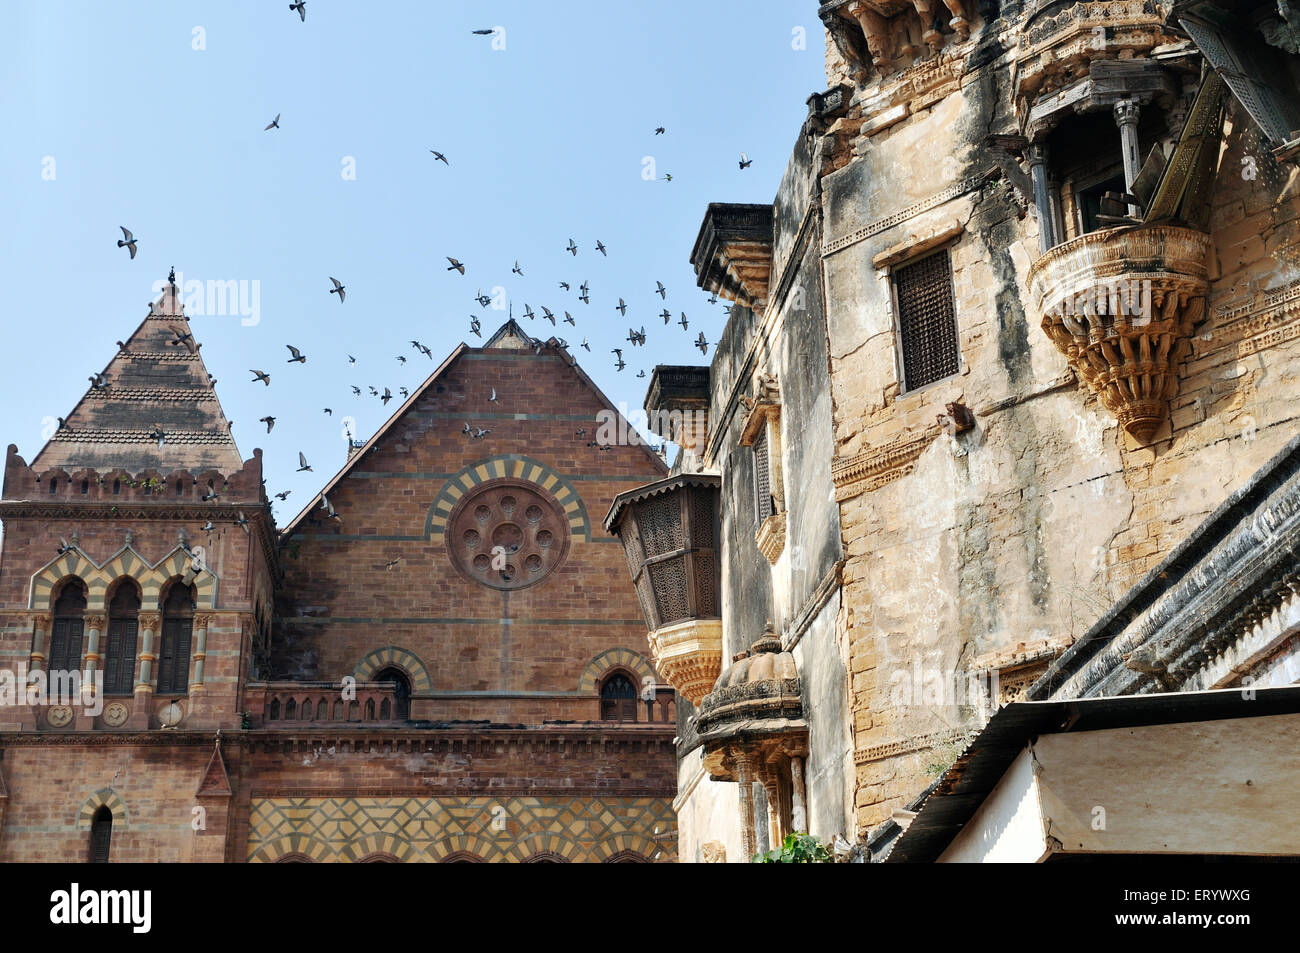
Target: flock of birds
636	337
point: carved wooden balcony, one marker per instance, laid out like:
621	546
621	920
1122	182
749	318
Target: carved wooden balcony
1121	304
669	530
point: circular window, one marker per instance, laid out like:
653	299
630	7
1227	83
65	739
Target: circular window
507	535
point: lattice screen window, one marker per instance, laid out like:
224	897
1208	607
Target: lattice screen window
762	478
927	321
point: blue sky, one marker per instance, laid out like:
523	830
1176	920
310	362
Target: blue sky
112	117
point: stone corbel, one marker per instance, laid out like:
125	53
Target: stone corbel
842	36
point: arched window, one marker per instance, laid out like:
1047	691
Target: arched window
402	694
119	652
295	859
177	634
617	698
69	625
546	857
101	832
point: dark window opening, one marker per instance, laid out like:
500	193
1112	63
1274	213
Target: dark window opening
927	322
101	833
120	647
618	699
401	708
177	635
68	628
85	487
764	505
53	485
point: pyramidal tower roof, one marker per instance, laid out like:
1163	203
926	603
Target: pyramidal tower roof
155	381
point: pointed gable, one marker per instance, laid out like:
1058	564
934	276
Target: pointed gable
510	336
216	780
150	382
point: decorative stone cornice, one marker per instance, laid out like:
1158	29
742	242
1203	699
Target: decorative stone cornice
1121	304
733	252
877	466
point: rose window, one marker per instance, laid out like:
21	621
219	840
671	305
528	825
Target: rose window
507	535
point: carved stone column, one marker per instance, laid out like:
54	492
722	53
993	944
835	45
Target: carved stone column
1047	237
95	625
1126	115
745	783
876	29
798	813
140	710
958	22
201	623
40	628
932	37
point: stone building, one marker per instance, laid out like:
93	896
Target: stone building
438	659
1009	357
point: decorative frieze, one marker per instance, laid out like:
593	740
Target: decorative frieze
876	466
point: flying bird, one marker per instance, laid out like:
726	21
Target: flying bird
273	124
351	359
480	434
262	376
564	285
621	307
338	290
666	315
568	319
548	315
242	522
401	358
516	270
298	357
683	321
301	7
668	176
207	527
659	287
475	325
283	496
356	391
455	265
641	373
585	345
183	337
404	392
482	299
572	249
483	32
528	311
391	563
210	496
98	381
618	351
269	421
621	364
157	434
387	396
467	429
127	239
659	130
702	344
745	161
329	412
493	397
600	247
439	157
328	507
302	463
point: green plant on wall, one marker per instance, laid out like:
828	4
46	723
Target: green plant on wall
797	849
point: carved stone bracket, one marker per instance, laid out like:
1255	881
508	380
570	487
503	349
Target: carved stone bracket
1121	304
689	656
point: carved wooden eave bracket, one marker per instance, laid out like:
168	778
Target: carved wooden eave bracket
1121	305
733	253
876	466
